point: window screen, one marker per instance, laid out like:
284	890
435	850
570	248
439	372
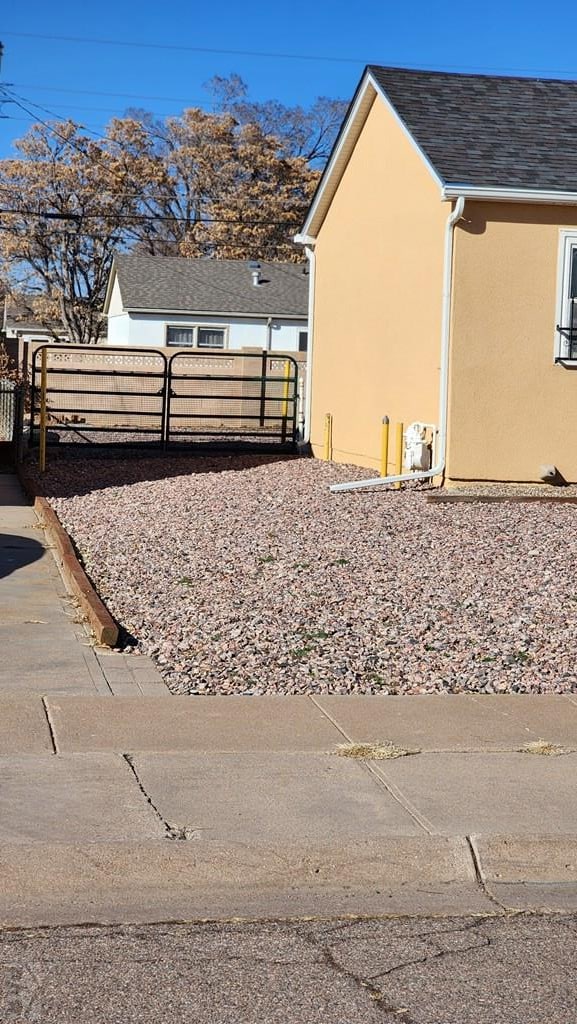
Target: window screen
180	336
573	280
208	337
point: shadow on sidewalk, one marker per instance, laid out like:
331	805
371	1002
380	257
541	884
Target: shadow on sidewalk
17	552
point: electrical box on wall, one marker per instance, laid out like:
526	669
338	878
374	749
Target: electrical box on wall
418	450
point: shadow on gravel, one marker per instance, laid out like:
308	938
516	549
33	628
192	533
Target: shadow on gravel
17	552
68	474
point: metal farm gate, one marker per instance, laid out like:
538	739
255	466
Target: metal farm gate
136	396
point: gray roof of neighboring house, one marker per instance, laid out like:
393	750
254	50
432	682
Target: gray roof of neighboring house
488	130
196	286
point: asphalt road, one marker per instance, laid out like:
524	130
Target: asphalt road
483	970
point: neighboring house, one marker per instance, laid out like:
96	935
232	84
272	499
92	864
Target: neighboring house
18	324
443	246
207	304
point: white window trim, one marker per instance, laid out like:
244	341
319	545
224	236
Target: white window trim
567	242
194	328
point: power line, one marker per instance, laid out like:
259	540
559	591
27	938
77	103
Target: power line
324	58
111	95
100	110
15	99
187	48
142	195
146	218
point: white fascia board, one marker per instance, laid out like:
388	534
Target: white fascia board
339	157
109	287
367	91
215	312
510	195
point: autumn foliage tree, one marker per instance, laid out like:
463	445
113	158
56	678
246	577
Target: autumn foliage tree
199	185
68	202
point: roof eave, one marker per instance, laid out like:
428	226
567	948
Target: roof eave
222	314
510	195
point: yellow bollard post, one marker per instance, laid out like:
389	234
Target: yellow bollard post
328	437
384	445
42	447
398	453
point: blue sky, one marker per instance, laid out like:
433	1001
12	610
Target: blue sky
505	37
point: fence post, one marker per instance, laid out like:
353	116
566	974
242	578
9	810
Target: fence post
18	436
263	386
43	375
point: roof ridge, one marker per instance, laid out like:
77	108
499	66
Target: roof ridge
437	72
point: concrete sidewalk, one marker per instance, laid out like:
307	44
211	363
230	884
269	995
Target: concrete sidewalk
46	646
136	809
139	809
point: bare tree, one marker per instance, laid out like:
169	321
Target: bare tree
67	203
307	132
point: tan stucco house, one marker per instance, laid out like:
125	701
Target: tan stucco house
443	248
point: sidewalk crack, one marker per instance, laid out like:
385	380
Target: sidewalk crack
172	831
51	728
479	875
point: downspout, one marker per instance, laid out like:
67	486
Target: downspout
269	334
437	469
309	243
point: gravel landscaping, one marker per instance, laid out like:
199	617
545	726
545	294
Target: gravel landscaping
245	575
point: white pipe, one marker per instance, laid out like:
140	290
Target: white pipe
309	244
437	469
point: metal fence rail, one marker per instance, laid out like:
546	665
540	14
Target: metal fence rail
119	396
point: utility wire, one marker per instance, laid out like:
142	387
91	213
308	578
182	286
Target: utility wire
325	58
110	95
145	218
186	48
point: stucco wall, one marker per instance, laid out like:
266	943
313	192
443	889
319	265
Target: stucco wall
149	329
378	295
511	408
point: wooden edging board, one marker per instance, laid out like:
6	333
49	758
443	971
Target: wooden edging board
104	627
452	499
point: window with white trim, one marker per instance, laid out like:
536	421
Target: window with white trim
210	337
182	337
566	345
193	336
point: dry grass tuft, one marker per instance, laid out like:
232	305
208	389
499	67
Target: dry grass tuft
373	751
542	748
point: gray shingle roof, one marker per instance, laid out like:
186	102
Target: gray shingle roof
211	286
489	131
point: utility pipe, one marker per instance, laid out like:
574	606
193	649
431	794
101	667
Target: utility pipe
437	469
309	243
399	434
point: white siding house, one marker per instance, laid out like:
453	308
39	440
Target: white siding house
157	301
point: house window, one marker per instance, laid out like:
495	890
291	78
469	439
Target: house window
566	339
183	337
303	341
209	337
195	337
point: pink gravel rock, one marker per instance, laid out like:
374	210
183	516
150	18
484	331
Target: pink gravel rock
246	575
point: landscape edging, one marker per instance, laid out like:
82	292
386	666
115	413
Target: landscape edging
103	625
